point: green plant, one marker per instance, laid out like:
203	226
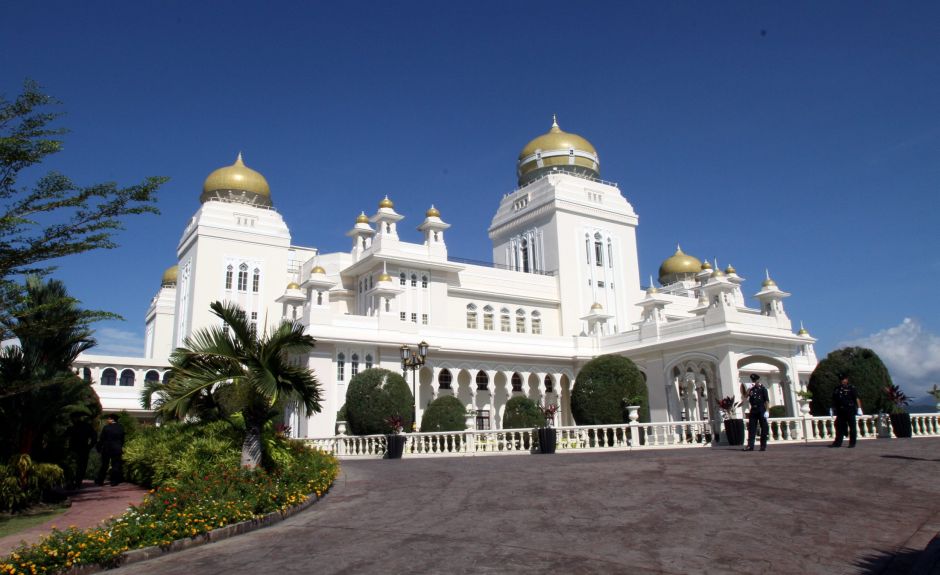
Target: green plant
935	392
374	395
446	413
865	371
156	455
778	411
521	412
727	405
600	389
805	394
897	400
23	482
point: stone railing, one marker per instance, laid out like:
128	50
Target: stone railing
624	437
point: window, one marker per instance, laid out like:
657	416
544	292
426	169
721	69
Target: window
600	283
424	319
598	251
340	367
360	286
414	280
152	376
127	378
354	365
549	384
444	379
516	382
401	278
536	323
483	381
587	248
402	316
483	419
108	377
610	254
319	298
471	316
424	281
504	324
368	361
525	255
256	280
228	277
520	321
254	320
86	374
243	277
488	318
166	377
414	318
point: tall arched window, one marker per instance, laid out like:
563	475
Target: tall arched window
256	280
166	376
516	382
402	279
520	321
483	381
414	280
504	324
86	374
488	318
598	251
536	323
108	377
152	376
525	255
354	365
340	367
127	378
549	384
471	316
368	361
243	277
444	379
228	276
424	281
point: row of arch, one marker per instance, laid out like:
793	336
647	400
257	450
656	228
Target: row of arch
505	319
128	377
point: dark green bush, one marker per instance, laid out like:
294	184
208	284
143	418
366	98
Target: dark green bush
521	412
778	411
24	482
866	372
604	388
157	455
446	413
373	396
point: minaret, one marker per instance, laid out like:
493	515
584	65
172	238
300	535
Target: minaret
386	223
771	301
160	315
433	227
361	234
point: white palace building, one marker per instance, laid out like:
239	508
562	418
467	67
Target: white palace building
563	288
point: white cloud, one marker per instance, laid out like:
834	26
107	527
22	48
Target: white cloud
112	341
911	353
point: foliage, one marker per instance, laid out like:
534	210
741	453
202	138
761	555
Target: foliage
341	414
54	217
157	455
446	413
897	400
224	370
521	413
805	394
727	405
395	423
778	411
548	413
197	503
600	390
865	371
23	482
935	392
372	396
38	391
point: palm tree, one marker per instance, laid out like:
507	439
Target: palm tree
227	369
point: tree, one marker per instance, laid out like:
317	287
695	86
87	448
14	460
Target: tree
54	217
446	413
866	372
228	370
604	387
521	413
372	397
38	390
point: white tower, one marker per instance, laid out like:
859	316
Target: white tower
160	314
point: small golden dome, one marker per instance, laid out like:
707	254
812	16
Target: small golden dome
170	276
706	265
557	150
679	266
802	331
718	274
318	270
293	285
362	218
768	283
652	290
236	178
730	270
597	307
385	278
386	203
433	212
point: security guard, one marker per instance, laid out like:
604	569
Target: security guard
760	404
845	404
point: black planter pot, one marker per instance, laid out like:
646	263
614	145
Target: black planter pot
547	439
901	424
734	431
395	446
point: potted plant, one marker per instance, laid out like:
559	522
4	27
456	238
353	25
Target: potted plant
900	418
804	397
547	434
734	427
394	441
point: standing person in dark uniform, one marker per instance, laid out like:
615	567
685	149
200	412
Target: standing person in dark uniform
845	404
82	438
760	402
111	448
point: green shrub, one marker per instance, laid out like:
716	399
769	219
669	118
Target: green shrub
778	411
866	372
373	396
603	388
156	455
24	482
341	414
521	412
446	413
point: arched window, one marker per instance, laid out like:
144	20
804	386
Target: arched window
340	367
444	379
256	280
354	365
471	316
127	378
414	280
243	277
152	376
536	323
525	255
368	361
520	321
319	298
86	374
483	381
424	281
228	276
166	376
402	279
598	251
549	384
488	318
516	382
504	324
108	377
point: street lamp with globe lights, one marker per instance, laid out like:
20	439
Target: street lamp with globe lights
413	360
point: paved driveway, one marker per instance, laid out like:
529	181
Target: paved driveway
792	509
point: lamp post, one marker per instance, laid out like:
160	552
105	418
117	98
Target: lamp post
413	360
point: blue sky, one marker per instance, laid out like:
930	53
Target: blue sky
799	137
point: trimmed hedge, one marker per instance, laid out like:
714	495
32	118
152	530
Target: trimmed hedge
866	372
778	411
446	413
373	396
604	387
521	412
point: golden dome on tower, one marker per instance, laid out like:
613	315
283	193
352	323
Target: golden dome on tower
293	285
362	218
237	183
386	203
170	276
385	277
433	212
557	151
706	265
318	270
679	266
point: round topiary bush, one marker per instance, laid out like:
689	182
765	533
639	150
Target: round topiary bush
445	413
521	412
866	372
604	388
778	411
375	395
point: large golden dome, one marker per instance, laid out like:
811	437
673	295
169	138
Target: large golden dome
557	151
170	276
237	183
678	267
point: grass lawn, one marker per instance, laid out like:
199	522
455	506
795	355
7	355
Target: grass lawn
11	524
